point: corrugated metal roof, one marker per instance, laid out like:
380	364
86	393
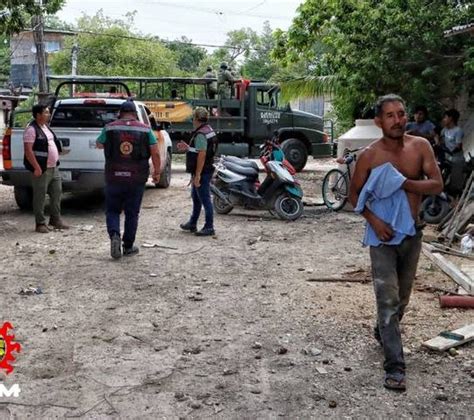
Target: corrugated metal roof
461	29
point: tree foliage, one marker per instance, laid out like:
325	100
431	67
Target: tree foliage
4	58
16	14
259	64
189	56
108	47
366	48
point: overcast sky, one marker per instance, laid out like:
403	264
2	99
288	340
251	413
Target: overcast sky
204	21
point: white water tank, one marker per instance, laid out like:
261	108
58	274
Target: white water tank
362	134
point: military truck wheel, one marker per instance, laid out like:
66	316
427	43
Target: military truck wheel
23	197
296	153
165	176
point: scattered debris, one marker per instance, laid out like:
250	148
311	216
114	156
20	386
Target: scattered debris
179	396
441	343
312	351
155	245
431	289
456	302
192	350
339	280
441	397
31	291
257	345
228	372
282	350
443	249
321	370
461	216
87	228
332	404
453	352
450	269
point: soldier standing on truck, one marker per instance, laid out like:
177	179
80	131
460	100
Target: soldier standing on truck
225	81
42	150
128	145
211	87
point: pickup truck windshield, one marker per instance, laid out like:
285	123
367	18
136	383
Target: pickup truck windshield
84	115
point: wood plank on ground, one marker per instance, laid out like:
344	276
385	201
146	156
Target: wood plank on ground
440	343
459	276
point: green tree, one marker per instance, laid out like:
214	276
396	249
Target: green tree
108	47
4	58
188	55
259	63
15	15
364	48
237	48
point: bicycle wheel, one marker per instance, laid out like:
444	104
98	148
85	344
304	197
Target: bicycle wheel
335	189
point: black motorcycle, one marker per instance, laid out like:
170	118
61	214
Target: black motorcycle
455	171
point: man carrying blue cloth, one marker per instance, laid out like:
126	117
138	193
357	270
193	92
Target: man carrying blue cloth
390	179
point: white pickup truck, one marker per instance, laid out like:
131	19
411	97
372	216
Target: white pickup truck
77	122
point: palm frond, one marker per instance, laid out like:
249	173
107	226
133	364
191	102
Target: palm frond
309	86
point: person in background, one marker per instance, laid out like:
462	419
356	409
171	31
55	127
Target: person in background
128	145
42	149
225	80
422	126
390	179
211	87
451	134
199	163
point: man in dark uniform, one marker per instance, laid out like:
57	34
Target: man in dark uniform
199	163
128	145
225	81
211	87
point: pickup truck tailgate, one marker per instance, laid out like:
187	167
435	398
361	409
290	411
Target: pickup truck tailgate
79	143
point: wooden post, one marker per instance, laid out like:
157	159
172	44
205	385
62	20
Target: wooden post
38	36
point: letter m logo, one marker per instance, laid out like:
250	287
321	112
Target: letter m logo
14	391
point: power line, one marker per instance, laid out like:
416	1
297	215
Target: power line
218	12
153	39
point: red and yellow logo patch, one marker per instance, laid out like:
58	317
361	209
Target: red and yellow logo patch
126	148
7	347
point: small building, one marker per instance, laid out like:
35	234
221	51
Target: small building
23	64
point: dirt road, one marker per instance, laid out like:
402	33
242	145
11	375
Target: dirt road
228	327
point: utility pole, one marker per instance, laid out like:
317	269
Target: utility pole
74	53
38	36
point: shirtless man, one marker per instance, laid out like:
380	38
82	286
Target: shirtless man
394	266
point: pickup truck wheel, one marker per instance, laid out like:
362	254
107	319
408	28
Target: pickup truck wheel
23	197
296	153
165	177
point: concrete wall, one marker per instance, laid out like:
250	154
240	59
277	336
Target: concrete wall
468	128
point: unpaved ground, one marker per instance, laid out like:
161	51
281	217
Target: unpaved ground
226	327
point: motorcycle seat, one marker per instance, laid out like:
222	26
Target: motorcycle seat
242	170
241	162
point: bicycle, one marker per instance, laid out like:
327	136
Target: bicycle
336	182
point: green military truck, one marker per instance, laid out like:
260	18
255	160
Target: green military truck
243	122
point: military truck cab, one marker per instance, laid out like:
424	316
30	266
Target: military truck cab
300	133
